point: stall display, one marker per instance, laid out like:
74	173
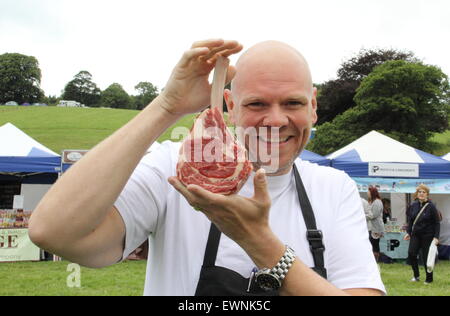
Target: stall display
14	219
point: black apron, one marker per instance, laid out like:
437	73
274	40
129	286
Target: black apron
220	281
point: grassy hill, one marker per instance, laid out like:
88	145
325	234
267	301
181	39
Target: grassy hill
443	143
61	128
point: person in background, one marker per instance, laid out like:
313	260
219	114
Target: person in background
387	214
367	212
423	229
375	220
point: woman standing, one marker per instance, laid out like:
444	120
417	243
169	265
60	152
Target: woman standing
375	220
423	228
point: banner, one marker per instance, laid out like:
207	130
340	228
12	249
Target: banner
15	245
391	185
401	170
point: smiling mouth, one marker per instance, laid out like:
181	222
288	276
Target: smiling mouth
280	140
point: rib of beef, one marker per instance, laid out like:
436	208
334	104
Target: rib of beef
212	158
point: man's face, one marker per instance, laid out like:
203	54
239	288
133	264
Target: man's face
270	99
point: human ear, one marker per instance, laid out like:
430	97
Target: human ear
314	106
230	105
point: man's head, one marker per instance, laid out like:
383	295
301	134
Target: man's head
273	89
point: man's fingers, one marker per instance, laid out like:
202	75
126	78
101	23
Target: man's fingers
214	42
199	198
192	54
228	48
205	197
232	51
209	49
182	189
260	184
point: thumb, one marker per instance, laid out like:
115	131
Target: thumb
260	184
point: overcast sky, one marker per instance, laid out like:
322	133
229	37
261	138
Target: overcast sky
128	41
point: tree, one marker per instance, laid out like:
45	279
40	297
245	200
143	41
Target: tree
360	66
116	97
82	89
20	79
51	100
405	100
337	95
147	93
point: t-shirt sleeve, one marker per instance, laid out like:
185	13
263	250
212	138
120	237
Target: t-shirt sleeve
143	199
350	252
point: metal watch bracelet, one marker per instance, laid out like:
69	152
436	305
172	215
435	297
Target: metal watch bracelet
282	267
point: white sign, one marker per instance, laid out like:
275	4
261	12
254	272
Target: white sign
18	201
400	170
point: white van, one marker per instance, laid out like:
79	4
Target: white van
72	104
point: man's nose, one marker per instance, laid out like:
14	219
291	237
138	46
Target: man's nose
276	117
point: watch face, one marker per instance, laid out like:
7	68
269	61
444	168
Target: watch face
268	282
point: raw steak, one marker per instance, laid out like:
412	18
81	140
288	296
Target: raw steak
212	158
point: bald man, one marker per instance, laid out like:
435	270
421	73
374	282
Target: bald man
297	229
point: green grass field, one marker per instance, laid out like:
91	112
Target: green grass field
127	279
50	279
60	128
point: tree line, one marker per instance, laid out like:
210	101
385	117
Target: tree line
85	91
20	79
386	90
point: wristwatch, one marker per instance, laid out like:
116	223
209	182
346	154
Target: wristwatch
272	279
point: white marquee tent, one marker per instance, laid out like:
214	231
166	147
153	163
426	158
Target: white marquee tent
26	162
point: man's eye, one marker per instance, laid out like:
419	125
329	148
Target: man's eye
257	104
294	103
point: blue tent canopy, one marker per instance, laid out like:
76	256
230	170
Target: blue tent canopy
30	164
314	158
374	147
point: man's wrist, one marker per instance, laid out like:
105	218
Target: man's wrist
163	105
265	251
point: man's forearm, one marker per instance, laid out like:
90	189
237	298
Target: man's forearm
81	199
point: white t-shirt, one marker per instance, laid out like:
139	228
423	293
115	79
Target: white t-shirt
152	208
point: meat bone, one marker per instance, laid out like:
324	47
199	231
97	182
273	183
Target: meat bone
218	84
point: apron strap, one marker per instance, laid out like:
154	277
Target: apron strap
212	246
313	235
